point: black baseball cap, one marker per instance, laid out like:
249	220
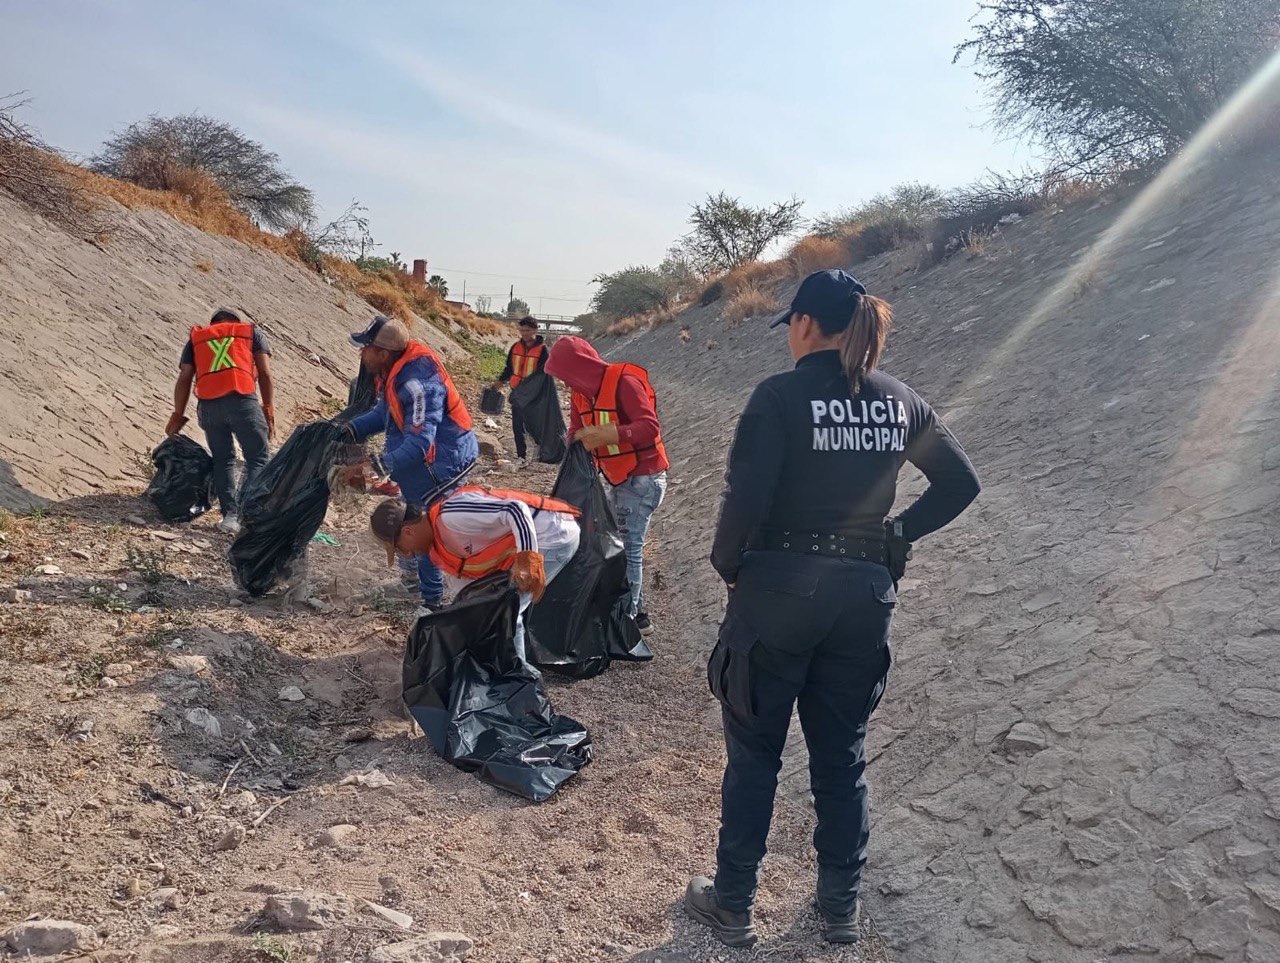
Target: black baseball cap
382	332
829	297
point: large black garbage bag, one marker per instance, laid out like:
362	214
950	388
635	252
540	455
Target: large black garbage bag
481	708
491	401
182	487
284	507
539	403
582	622
361	396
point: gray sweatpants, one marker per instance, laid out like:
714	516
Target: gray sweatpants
237	417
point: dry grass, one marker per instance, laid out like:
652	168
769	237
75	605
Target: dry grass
195	199
749	302
204	267
815	253
625	326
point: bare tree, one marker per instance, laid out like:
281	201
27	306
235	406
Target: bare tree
150	152
1109	83
727	233
483	303
32	173
346	236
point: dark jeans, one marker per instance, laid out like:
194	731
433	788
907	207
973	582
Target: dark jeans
812	632
237	417
517	428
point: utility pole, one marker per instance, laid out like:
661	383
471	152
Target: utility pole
464	291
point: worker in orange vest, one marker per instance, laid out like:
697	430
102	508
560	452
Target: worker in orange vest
526	356
614	414
474	531
430	445
228	360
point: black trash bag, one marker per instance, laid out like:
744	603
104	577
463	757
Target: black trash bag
481	708
283	508
182	487
582	622
539	403
491	401
361	396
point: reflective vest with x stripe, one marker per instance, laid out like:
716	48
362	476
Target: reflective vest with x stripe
223	354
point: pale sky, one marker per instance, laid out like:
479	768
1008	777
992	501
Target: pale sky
534	144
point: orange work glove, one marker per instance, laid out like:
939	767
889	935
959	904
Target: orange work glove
528	574
270	413
176	422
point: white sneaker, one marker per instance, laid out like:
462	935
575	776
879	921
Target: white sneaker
230	523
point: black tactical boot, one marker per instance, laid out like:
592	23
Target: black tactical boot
731	929
839	928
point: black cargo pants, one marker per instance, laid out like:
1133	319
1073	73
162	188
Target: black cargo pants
238	417
810	631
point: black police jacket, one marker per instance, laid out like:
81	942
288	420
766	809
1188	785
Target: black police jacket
809	456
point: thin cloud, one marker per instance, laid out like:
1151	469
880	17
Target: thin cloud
470	99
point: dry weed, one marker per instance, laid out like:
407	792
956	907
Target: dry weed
204	267
815	253
749	302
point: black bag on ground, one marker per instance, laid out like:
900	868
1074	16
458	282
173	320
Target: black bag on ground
284	507
182	487
539	403
481	708
582	622
491	401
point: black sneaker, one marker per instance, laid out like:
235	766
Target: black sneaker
643	623
731	929
839	928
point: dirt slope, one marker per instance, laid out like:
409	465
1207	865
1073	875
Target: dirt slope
1112	594
89	341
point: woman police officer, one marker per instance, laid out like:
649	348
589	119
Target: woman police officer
812	564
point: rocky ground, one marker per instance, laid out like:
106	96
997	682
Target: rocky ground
187	778
1076	757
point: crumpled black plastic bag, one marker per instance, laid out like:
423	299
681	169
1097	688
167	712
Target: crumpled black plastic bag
182	487
481	708
283	508
582	622
539	403
491	401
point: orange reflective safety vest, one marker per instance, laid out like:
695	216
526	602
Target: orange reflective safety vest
524	360
223	355
497	555
455	408
616	461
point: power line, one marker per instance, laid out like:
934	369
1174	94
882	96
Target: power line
514	277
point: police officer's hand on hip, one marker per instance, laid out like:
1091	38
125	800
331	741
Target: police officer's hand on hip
811	560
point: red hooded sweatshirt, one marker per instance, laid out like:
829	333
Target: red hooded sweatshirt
578	365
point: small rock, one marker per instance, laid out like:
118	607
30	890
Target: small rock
237	603
319	605
193	665
164	931
136	520
291	693
83	731
164	536
231	839
133	888
334	836
168	896
80	553
19	595
187	812
115	669
396	918
48	570
358	734
122	586
1025	737
49	937
373	779
206	720
106	682
306	910
432	948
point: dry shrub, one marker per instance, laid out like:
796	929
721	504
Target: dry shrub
386	298
624	326
815	253
35	176
749	302
196	199
204	267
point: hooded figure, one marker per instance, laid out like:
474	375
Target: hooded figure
613	412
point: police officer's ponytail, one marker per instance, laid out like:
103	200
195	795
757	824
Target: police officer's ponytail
862	342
